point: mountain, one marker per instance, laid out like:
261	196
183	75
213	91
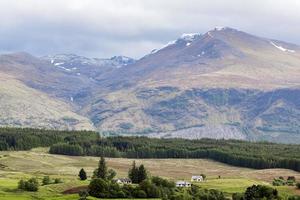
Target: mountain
22	106
80	65
224	83
222	57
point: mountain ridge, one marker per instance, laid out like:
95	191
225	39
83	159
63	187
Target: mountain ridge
223	83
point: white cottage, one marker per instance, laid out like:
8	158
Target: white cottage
197	178
183	184
123	181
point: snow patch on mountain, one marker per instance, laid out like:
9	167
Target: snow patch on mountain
189	36
282	48
72	62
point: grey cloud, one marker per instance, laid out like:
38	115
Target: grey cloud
102	28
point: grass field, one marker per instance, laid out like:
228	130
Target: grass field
38	163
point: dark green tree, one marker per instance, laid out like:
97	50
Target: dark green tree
133	173
142	173
111	174
21	184
260	192
82	175
99	188
32	185
102	169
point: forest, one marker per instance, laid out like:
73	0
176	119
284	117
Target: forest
258	155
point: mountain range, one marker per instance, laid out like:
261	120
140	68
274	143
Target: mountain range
224	83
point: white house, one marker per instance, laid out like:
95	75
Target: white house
197	178
183	184
123	181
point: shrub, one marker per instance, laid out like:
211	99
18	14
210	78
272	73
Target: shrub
46	180
298	185
32	185
261	192
140	194
294	198
291	178
98	188
290	182
83	195
279	182
57	181
237	196
21	184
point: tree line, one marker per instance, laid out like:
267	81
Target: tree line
258	155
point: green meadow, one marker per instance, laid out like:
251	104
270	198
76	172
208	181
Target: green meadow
38	163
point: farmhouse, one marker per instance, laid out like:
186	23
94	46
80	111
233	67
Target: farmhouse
183	184
123	181
197	178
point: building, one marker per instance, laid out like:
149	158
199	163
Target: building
183	184
123	181
197	178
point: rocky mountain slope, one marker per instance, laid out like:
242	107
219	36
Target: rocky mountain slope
22	106
221	84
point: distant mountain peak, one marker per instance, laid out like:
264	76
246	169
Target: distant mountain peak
73	62
189	36
223	28
124	60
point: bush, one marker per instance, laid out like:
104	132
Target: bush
30	185
291	178
290	182
261	192
21	184
140	194
98	188
279	182
83	195
57	181
46	180
237	196
298	185
294	198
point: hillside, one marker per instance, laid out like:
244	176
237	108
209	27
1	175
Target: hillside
221	84
224	83
22	106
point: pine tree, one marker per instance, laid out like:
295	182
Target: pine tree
142	173
133	173
82	175
102	169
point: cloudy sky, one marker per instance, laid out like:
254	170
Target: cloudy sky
103	28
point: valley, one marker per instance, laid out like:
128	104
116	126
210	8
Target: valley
38	163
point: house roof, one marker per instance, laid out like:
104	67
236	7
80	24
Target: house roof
196	177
